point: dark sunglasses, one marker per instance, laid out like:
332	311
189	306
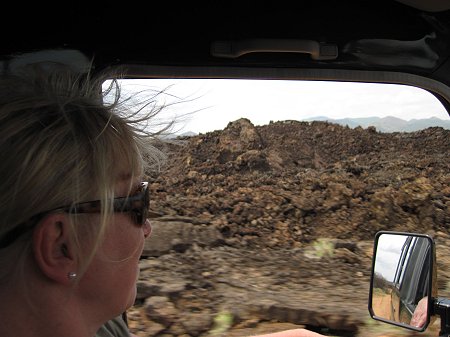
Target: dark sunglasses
138	205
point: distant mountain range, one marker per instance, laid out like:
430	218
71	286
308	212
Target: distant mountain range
387	124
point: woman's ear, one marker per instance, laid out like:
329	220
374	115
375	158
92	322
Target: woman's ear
53	251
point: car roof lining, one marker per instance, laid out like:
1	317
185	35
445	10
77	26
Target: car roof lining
438	89
427	5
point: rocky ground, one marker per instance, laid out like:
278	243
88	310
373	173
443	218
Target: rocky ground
271	227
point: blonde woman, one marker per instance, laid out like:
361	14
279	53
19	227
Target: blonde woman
74	206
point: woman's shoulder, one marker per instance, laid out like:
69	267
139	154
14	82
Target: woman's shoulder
114	328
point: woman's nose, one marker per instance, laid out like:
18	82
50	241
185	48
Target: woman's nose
147	228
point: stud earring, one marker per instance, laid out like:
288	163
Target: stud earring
71	275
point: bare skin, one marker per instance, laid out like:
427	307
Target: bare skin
286	333
419	317
292	333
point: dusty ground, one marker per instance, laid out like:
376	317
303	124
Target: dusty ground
267	228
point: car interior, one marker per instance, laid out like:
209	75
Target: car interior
403	43
382	41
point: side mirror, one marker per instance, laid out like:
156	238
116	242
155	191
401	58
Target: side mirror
403	274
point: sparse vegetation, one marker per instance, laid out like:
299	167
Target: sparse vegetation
222	323
320	248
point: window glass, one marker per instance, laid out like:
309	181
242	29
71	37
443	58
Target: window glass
272	219
204	105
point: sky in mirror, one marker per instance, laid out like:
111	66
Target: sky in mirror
206	105
388	254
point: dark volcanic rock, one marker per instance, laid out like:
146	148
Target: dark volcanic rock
275	223
296	181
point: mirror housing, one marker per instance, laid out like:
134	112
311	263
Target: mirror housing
402	289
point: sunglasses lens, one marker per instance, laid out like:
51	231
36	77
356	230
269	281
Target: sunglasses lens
137	205
145	205
137	218
141	214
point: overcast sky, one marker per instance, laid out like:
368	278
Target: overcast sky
217	102
388	254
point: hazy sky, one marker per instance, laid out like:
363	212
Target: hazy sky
218	102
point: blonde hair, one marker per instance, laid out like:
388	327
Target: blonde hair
61	143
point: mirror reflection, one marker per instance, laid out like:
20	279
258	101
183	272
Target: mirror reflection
401	280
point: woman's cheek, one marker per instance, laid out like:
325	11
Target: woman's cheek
123	240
